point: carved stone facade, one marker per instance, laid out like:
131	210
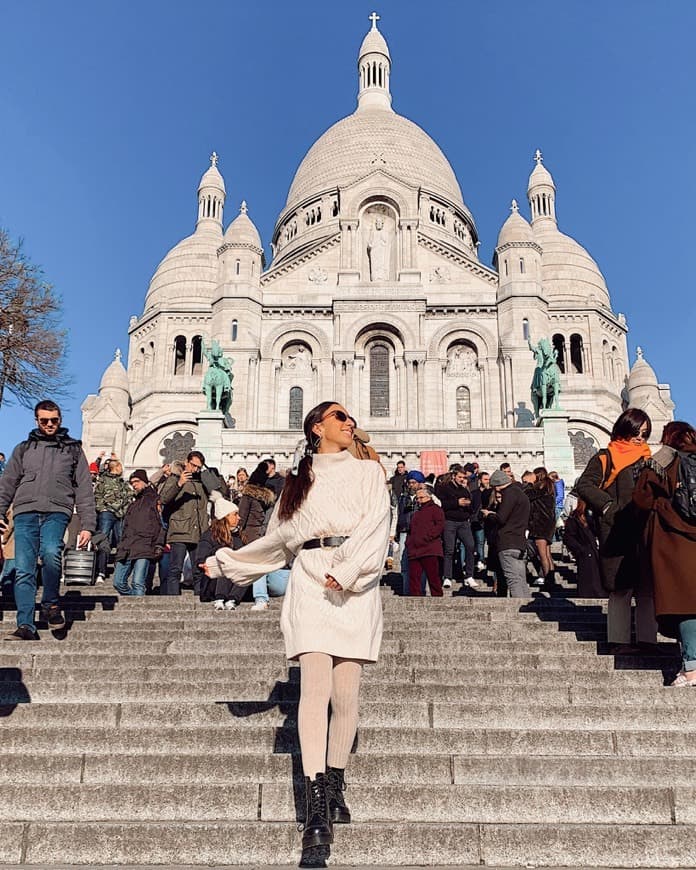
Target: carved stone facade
375	297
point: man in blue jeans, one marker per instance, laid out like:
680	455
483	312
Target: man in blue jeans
44	479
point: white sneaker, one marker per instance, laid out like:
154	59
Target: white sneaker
471	582
218	604
480	566
446	583
539	581
100	578
260	605
230	605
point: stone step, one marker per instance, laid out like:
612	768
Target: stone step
232	627
393	803
493	674
260	843
229	768
505	713
50	737
42	690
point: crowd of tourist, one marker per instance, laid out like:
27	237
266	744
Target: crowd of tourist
627	522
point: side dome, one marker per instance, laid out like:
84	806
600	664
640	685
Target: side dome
642	375
115	376
189	271
346	152
566	268
242	230
515	228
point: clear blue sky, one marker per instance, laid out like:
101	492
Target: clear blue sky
109	110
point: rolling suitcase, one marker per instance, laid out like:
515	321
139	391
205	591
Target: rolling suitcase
79	565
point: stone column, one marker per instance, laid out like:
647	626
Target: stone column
558	451
482	380
209	437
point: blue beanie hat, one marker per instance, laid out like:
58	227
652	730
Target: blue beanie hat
416	475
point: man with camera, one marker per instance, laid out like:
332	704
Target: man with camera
185	509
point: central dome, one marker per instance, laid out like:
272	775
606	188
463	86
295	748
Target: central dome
368	140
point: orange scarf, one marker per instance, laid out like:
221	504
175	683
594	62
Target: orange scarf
623	454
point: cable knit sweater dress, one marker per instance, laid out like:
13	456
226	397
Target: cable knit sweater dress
348	497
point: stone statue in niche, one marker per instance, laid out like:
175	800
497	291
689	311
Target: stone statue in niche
379	250
298	359
461	360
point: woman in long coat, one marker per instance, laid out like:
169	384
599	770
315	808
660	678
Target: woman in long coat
670	545
333	517
607	485
255	505
581	541
424	544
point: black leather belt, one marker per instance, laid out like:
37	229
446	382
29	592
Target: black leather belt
325	543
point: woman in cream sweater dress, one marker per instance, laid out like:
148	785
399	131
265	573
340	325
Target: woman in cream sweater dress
333	519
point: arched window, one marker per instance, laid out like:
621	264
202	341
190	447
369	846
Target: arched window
463	408
559	345
522	265
576	363
196	355
237	266
295	417
379	380
235	329
180	355
525	328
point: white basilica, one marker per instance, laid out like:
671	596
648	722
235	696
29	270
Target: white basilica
375	297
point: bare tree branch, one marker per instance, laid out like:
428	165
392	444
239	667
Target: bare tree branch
33	342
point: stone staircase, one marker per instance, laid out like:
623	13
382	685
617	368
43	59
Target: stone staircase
156	731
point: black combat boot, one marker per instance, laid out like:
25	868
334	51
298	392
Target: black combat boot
317	826
335	784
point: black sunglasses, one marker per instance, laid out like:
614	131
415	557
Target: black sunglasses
341	416
47	420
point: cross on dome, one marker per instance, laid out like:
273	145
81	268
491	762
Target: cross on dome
639	352
117	354
514	208
214	159
538	156
374	18
243	208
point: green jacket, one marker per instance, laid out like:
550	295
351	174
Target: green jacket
185	510
112	493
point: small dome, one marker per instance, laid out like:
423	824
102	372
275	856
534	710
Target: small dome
540	174
515	228
567	269
642	374
212	177
115	376
374	42
189	271
242	230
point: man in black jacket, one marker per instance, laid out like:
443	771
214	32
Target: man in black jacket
142	538
457	505
511	517
46	476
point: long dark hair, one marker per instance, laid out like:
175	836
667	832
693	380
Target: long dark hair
628	425
677	434
543	481
298	485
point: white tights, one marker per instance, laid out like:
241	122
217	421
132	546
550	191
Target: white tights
325	679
